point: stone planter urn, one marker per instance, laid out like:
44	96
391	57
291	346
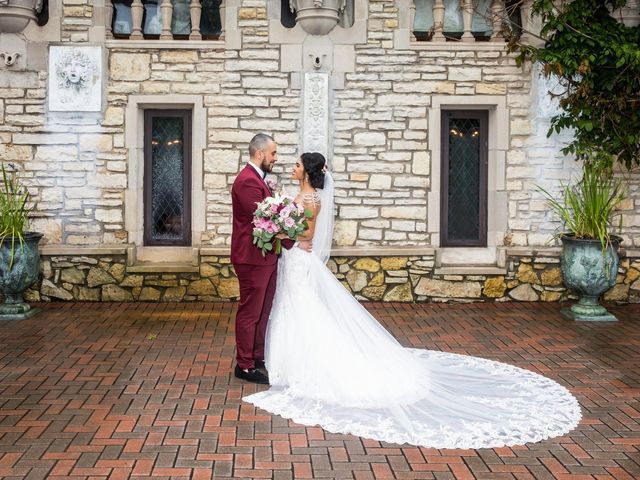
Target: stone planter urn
16	14
317	17
590	272
24	272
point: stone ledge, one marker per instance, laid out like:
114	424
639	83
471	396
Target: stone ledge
215	251
533	251
74	251
166	44
370	251
631	252
364	251
556	251
458	46
163	268
471	270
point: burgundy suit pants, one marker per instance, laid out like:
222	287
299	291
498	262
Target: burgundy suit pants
257	287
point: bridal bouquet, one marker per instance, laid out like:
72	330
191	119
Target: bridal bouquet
274	215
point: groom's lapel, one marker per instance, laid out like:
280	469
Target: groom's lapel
262	180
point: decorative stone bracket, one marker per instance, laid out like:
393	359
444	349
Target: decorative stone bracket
9	58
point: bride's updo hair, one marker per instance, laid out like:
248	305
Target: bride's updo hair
313	164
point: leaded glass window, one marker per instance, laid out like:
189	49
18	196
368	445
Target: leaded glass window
167	177
464	173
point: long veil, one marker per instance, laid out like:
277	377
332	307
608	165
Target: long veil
323	235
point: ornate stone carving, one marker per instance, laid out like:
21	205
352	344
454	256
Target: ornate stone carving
315	127
9	58
75	79
317	17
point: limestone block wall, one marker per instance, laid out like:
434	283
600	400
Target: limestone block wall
530	276
78	167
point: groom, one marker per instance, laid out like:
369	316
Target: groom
256	274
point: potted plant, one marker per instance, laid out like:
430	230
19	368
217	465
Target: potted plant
19	256
589	259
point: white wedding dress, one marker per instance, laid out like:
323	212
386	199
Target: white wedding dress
332	364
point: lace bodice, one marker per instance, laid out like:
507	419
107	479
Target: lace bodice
312	198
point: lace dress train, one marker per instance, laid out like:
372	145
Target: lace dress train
332	364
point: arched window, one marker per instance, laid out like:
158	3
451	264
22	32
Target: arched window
287	17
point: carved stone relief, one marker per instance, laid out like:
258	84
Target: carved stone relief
315	124
75	79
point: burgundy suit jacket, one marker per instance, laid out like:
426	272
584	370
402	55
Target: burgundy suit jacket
247	191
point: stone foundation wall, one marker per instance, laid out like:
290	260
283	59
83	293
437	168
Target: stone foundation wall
395	279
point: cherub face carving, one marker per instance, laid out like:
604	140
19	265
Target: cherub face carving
74	71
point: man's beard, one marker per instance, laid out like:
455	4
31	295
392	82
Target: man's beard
266	167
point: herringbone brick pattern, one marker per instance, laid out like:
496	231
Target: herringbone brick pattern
110	391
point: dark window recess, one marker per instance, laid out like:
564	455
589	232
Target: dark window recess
287	17
464	178
43	15
121	24
151	19
167	177
210	22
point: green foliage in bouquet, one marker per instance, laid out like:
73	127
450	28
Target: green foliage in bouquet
287	218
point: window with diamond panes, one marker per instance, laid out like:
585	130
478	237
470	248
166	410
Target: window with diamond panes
464	179
167	177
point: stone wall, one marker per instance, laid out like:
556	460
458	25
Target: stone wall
534	276
79	167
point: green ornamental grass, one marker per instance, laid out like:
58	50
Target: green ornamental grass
14	211
587	208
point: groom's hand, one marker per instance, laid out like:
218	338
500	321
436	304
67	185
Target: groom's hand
305	245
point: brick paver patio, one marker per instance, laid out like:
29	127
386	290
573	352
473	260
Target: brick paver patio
144	390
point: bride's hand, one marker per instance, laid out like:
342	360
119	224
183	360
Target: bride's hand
305	245
282	236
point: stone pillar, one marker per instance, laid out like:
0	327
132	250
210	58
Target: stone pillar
137	8
467	18
438	20
196	11
166	9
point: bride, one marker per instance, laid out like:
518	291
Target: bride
332	364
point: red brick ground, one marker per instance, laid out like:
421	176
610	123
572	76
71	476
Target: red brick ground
144	390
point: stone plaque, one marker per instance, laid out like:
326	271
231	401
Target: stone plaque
75	79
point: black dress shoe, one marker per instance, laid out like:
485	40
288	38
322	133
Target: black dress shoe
261	365
252	375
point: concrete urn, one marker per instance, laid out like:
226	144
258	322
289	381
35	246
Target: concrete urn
317	17
16	14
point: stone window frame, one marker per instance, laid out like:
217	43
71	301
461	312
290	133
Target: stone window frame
134	193
402	35
498	145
